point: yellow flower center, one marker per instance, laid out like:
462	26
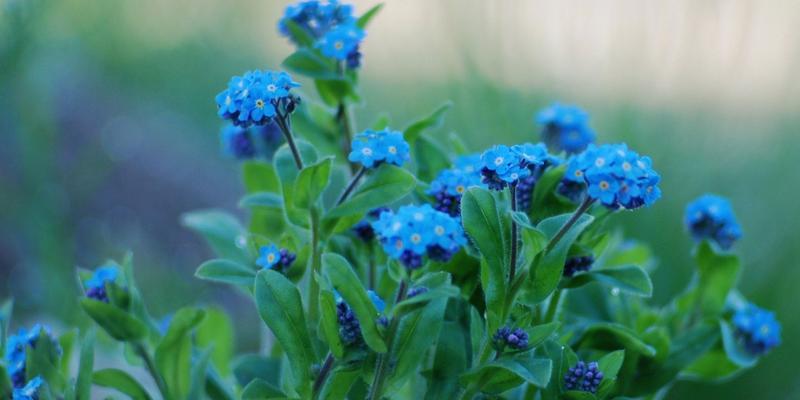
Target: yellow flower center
416	238
260	103
392	149
271	87
366	151
604	185
460	189
439	230
338	45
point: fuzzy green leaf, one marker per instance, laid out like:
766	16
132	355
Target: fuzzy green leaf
384	185
631	279
311	182
116	322
174	353
435	119
226	271
121	381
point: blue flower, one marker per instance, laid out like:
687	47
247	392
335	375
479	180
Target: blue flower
613	175
96	285
30	391
712	217
371	148
257	97
450	184
586	378
565	128
271	257
416	231
757	329
363	229
503	165
16	346
516	338
340	42
315	17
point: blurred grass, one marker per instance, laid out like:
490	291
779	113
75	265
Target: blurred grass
109	133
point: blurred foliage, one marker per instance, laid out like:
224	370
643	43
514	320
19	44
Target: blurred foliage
109	133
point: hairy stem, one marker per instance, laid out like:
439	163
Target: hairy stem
142	352
571	221
512	270
351	186
343	119
327	365
316	263
553	306
382	367
282	123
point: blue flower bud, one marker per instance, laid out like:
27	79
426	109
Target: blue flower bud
583	377
711	217
757	329
565	128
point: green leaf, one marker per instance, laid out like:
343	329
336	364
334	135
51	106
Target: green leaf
612	336
430	158
119	324
311	182
365	18
714	366
329	323
120	380
5	321
733	348
220	229
344	279
311	64
261	390
384	185
631	279
83	382
281	308
546	202
174	352
288	173
261	199
254	366
546	270
416	333
226	271
435	119
199	372
339	383
611	363
44	360
538	334
260	176
300	35
505	373
381	123
481	219
717	275
216	332
336	91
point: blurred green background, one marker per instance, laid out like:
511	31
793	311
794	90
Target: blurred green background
108	129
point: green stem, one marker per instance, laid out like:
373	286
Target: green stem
382	367
151	368
323	375
512	269
530	392
343	118
351	186
486	354
567	225
553	306
287	133
316	265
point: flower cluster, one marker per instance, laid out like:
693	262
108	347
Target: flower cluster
712	217
613	175
416	291
757	329
371	148
271	257
363	229
246	143
349	328
257	97
503	165
16	346
583	377
30	391
330	24
577	264
565	128
516	338
96	285
451	183
414	231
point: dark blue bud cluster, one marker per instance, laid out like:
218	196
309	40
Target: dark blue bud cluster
757	329
712	217
565	128
96	285
271	256
349	327
586	378
515	338
416	291
247	143
577	264
450	184
363	229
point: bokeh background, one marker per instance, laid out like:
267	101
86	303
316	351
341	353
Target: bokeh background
108	129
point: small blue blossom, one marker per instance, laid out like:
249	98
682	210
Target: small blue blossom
757	329
415	231
712	217
256	98
613	175
363	229
450	184
583	377
503	165
30	391
516	338
271	257
577	264
16	346
340	42
565	128
96	285
349	327
315	17
371	148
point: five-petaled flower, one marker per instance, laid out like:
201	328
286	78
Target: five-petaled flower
371	148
